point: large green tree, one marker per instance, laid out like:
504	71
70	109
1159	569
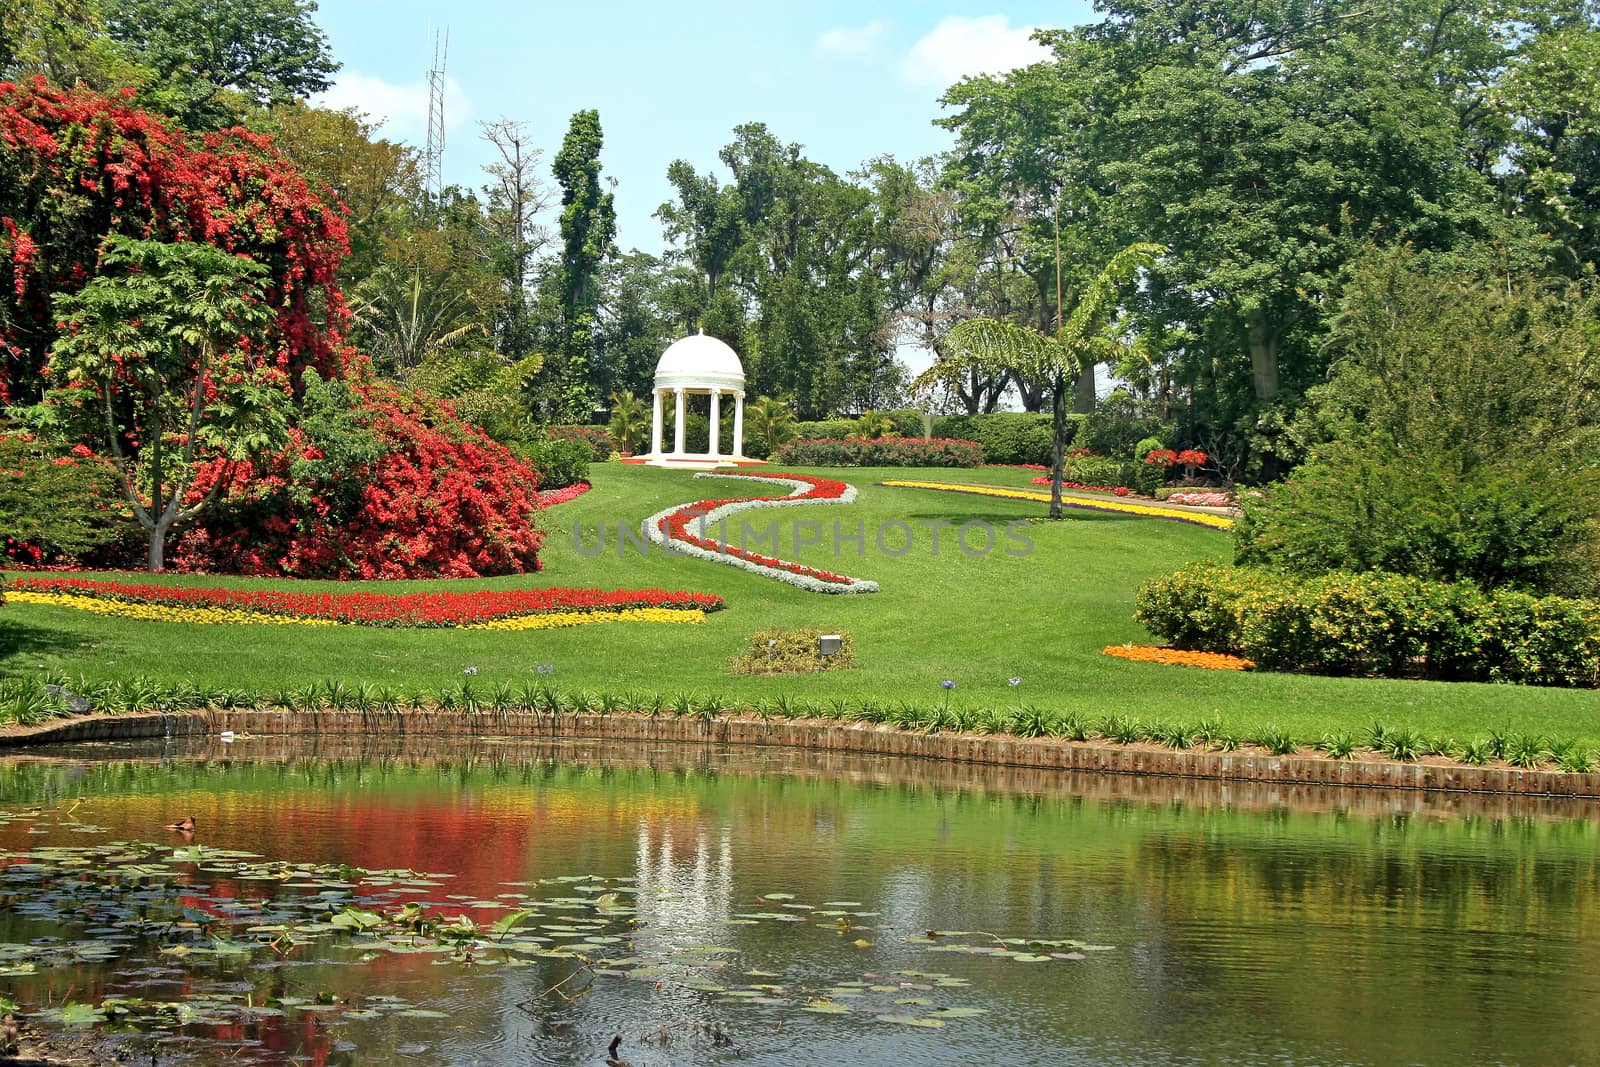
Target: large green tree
211	60
588	239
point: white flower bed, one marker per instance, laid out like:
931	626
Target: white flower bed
698	527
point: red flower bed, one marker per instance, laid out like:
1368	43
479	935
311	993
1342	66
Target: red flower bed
676	525
444	609
549	498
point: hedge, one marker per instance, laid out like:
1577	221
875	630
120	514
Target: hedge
1375	624
1007	436
879	452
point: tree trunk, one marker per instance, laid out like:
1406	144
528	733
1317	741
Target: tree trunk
1083	391
158	548
1263	357
1058	444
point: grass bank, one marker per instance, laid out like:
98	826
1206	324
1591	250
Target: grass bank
973	618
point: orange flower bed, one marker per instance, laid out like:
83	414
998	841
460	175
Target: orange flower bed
1215	661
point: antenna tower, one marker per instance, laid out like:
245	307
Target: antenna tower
433	155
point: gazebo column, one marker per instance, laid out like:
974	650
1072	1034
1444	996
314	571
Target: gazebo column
714	447
738	424
655	422
677	427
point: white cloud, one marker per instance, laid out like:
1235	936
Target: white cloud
959	46
853	42
400	109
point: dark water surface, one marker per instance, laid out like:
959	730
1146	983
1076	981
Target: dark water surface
1219	924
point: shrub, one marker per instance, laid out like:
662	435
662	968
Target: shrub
378	482
559	462
1456	436
1152	461
598	438
1006	436
1117	424
879	452
1099	470
1375	624
790	652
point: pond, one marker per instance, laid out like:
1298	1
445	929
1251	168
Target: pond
714	906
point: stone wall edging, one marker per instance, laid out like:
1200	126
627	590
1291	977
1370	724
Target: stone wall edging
861	738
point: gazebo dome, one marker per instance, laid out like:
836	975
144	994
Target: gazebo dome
699	361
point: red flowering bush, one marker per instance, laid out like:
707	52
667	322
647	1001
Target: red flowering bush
391	486
1161	457
1190	458
76	166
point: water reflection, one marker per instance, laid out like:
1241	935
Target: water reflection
1248	923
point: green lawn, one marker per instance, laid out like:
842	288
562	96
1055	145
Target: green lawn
1042	617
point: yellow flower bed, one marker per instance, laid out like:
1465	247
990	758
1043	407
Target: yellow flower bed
161	613
581	618
1127	507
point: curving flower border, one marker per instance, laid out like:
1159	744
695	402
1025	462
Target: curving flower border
422	610
1122	507
682	529
549	498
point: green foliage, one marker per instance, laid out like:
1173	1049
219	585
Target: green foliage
1006	436
152	361
1147	477
630	421
1117	425
560	463
483	389
791	652
1466	421
1099	471
769	424
211	60
874	424
1375	624
60	505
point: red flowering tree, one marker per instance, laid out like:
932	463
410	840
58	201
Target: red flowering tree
387	485
76	166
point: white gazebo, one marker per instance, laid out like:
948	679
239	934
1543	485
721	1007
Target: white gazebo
695	366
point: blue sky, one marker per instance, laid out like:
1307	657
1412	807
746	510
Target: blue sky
847	81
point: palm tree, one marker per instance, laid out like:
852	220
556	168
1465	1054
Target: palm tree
1080	341
628	424
409	315
771	420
